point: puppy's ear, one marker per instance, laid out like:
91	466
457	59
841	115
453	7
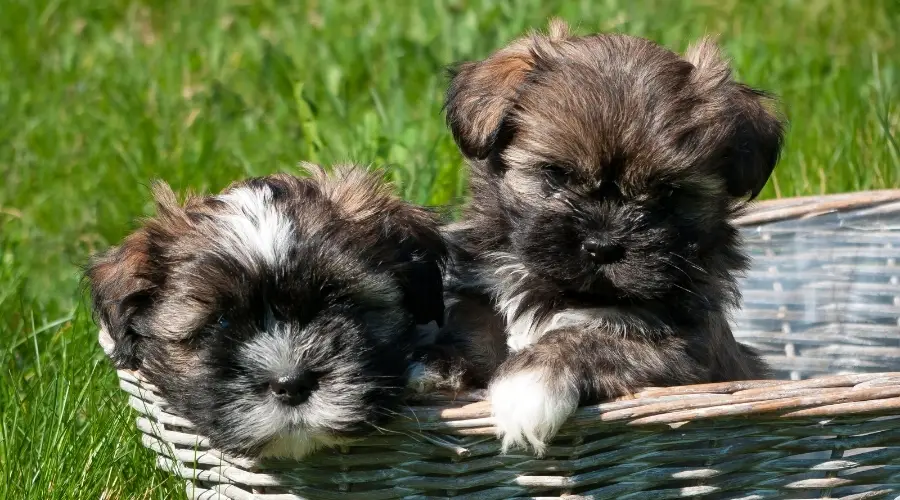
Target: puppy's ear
420	255
756	131
481	94
122	284
120	289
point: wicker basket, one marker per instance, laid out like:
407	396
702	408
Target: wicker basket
822	303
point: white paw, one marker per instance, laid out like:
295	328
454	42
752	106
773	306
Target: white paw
528	409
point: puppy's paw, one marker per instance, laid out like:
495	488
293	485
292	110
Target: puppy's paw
422	378
529	406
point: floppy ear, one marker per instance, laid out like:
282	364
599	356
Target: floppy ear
756	146
122	280
421	255
756	132
481	94
120	289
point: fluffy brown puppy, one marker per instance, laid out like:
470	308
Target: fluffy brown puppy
280	315
604	172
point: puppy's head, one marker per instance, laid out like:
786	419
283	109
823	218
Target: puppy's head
608	164
278	315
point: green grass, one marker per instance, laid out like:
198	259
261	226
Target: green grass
99	97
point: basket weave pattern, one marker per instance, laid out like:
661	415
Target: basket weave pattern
822	303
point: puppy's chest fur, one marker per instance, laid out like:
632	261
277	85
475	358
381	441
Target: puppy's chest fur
529	314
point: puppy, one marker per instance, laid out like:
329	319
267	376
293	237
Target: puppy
280	315
604	172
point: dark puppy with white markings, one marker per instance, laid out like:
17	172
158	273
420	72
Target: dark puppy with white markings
604	172
280	315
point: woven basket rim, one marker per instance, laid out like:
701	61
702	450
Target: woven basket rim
469	414
801	207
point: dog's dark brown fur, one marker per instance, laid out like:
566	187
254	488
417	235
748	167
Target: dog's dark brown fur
604	172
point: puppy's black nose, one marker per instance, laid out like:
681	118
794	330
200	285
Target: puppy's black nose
602	252
293	389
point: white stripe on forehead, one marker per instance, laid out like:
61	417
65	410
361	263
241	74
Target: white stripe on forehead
253	228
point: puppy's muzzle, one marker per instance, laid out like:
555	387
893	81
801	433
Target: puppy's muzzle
295	388
602	251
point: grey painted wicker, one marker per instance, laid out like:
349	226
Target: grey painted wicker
822	302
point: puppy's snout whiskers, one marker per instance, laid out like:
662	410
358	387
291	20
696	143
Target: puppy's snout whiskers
704	298
692	264
673	265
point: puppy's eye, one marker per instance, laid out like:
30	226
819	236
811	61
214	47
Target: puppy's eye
555	176
223	322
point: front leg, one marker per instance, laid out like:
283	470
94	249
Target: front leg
536	390
466	352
